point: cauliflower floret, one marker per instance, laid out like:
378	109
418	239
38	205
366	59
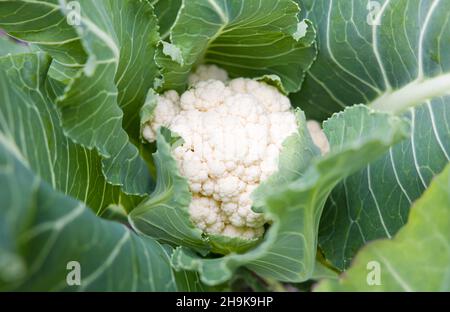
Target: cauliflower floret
233	134
245	233
267	95
206	214
167	108
207	72
206	95
318	136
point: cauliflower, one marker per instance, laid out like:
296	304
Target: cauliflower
207	72
166	109
233	133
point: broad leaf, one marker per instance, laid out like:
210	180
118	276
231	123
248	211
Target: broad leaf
388	53
42	22
166	11
46	237
249	38
9	45
417	259
135	26
30	120
165	215
288	250
321	272
399	63
106	61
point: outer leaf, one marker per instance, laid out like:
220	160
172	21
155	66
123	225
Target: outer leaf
107	60
321	271
167	11
42	22
8	45
394	59
43	232
135	26
131	25
402	62
417	259
249	38
225	245
30	120
245	280
289	248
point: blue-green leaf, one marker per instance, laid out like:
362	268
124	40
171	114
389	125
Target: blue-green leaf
393	56
51	242
29	118
104	57
249	38
416	259
288	251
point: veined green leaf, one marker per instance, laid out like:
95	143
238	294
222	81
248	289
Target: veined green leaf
397	62
417	259
42	23
135	26
288	251
391	54
29	120
321	271
104	55
244	279
130	24
166	11
7	45
49	240
248	38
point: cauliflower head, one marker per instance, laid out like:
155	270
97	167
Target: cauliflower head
207	72
233	133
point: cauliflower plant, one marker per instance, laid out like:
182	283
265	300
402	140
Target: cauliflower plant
233	133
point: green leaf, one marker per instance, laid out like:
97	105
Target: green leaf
8	45
167	11
245	280
107	62
224	245
393	63
417	259
401	66
250	38
43	232
288	251
29	119
321	271
43	23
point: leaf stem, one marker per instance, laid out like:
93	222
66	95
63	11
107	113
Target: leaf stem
413	94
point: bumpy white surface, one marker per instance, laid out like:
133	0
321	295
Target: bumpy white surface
207	72
232	139
167	108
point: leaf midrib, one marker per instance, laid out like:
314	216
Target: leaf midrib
413	94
